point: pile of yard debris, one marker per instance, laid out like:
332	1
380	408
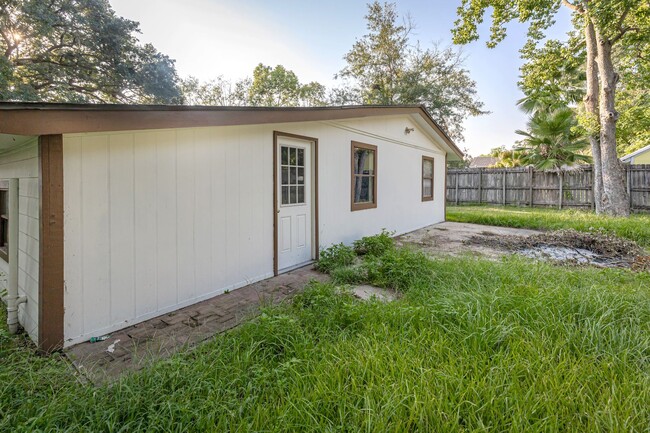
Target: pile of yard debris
572	247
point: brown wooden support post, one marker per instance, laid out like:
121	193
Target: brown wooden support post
531	173
50	265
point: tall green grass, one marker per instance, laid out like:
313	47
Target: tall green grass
636	227
513	345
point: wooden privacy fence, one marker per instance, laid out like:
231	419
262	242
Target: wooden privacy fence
529	187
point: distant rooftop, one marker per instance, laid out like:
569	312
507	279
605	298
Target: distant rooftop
483	161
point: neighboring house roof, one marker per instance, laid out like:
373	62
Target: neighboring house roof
44	118
630	156
483	161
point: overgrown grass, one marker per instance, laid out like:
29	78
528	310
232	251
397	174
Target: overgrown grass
636	227
512	346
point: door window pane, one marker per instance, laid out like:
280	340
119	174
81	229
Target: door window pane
285	155
285	175
285	195
292	195
301	194
301	175
301	157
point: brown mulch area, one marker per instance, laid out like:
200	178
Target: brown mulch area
573	247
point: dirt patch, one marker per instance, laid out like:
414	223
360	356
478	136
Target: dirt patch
571	247
449	238
566	246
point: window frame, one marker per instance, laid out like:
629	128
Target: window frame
433	171
370	205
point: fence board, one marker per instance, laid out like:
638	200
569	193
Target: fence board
525	187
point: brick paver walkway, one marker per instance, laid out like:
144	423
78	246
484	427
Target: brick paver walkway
133	348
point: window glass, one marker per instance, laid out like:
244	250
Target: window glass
292	176
364	163
428	168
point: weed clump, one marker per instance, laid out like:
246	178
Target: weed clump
336	256
376	245
377	261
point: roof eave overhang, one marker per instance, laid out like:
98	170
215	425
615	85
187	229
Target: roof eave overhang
45	119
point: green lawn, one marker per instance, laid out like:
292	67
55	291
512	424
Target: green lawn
636	227
473	345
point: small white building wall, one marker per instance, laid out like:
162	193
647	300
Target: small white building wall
157	220
22	163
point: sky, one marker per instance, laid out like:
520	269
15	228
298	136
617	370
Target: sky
211	38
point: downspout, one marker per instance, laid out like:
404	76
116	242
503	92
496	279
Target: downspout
13	301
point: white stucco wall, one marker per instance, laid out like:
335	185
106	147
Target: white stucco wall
156	220
22	163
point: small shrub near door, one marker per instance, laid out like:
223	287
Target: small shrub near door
334	257
379	263
375	245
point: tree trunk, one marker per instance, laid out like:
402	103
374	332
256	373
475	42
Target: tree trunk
615	200
591	111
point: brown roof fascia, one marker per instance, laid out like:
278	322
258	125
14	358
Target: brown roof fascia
45	118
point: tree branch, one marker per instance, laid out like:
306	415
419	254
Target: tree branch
619	26
573	6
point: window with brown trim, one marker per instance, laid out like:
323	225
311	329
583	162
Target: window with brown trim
364	176
427	178
4	224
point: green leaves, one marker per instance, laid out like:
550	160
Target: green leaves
552	140
385	68
78	51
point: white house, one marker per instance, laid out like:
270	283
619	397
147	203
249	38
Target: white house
123	213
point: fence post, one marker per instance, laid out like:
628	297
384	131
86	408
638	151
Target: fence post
560	176
480	185
530	180
628	175
504	187
592	191
457	178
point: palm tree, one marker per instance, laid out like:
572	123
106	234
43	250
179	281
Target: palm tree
552	140
509	158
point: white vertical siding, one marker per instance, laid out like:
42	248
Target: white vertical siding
156	220
23	164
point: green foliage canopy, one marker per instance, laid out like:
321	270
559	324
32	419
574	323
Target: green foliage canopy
383	67
78	51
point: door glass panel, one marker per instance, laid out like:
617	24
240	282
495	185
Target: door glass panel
285	155
285	195
292	195
292	178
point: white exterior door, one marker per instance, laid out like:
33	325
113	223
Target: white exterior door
294	203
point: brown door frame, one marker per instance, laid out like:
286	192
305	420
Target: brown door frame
315	247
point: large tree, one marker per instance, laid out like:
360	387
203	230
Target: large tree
385	67
78	51
605	23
